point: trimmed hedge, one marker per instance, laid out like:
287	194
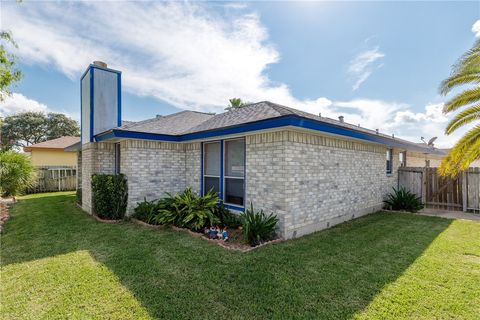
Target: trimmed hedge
109	195
79	196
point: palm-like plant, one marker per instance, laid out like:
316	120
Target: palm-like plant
467	149
16	173
236	103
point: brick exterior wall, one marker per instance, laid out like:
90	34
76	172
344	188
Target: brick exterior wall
193	160
309	181
313	182
96	158
152	168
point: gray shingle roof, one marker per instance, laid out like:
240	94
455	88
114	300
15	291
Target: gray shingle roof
177	123
191	121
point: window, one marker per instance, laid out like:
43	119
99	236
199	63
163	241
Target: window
117	158
224	170
234	177
211	164
389	160
403	158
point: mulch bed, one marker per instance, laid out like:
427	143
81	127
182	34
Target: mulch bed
4	216
236	241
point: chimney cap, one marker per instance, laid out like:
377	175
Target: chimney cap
100	63
340	118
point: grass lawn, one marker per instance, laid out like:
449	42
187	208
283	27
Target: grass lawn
57	262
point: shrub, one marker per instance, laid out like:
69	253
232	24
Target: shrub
188	210
79	196
16	173
403	199
109	193
257	226
226	217
146	211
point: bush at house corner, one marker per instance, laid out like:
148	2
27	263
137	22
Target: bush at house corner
109	196
16	173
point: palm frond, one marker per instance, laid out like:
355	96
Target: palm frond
463	153
467	116
468	59
470	77
462	99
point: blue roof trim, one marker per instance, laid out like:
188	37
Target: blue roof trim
288	120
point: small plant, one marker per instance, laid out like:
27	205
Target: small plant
258	227
79	196
188	210
402	199
226	217
16	173
146	211
109	193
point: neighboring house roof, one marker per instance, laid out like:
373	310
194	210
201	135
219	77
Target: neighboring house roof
191	125
174	124
59	143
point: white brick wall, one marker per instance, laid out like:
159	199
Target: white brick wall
309	181
152	168
313	182
96	158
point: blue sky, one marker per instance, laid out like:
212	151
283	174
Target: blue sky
377	63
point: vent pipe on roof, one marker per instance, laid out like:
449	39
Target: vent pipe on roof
376	130
101	64
340	118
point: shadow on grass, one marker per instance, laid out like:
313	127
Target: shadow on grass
330	274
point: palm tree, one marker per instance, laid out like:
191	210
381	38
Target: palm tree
467	149
235	103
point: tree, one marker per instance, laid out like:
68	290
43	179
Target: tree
467	149
236	103
8	71
59	125
16	173
29	128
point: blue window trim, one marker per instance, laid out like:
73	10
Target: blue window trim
222	174
283	121
201	168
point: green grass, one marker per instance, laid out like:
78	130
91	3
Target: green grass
57	262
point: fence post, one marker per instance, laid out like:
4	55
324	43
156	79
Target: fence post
424	185
464	191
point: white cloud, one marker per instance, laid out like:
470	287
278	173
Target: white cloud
476	28
17	102
190	57
362	66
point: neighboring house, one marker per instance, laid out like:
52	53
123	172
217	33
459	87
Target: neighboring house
432	160
312	172
56	161
52	153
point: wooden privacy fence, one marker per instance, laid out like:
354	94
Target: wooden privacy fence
55	179
459	193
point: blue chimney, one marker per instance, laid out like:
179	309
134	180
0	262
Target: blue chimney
101	100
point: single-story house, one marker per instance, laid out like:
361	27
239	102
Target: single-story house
312	172
52	153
